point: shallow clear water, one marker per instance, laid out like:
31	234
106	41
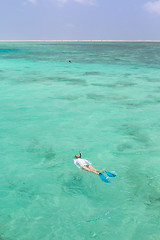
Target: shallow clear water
106	104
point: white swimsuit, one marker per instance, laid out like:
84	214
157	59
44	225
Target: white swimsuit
79	162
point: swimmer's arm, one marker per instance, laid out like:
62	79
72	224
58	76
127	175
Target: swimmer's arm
77	164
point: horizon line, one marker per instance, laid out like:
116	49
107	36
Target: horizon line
79	40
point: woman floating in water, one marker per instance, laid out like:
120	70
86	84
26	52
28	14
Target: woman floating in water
87	166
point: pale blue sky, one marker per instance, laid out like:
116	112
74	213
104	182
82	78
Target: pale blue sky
79	19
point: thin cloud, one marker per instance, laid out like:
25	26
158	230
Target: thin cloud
88	2
153	6
63	2
33	1
83	2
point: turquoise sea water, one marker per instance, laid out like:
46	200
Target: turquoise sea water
106	104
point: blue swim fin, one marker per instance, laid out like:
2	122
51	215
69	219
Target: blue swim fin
110	174
103	178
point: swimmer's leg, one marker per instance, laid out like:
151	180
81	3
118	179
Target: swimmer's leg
90	170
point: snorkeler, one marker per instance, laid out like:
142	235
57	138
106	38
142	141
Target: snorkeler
85	164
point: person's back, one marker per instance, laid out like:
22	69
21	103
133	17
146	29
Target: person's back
80	163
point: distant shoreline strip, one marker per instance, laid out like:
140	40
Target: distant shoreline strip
80	41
